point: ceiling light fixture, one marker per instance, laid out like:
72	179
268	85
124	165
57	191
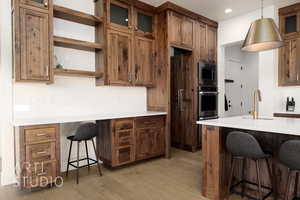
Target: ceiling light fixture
263	35
228	10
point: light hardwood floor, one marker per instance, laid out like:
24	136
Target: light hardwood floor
178	178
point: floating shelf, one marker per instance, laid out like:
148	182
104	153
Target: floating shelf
76	44
76	16
77	73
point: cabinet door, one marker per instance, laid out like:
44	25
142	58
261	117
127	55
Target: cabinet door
212	44
120	15
187	32
144	23
289	24
175	32
144	143
119	58
289	63
144	61
123	155
158	147
37	3
35	55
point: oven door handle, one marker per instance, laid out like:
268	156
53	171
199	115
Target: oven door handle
208	92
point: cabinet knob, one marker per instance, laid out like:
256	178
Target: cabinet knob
136	28
129	27
46	4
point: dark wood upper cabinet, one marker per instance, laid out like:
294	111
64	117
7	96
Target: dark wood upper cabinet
181	30
212	44
144	60
32	38
119	58
289	55
44	4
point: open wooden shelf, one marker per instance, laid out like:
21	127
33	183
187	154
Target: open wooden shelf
77	73
76	44
76	16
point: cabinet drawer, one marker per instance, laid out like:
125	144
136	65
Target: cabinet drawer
40	134
124	138
125	124
40	152
40	174
124	155
146	122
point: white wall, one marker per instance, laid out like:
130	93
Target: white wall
242	67
67	96
273	97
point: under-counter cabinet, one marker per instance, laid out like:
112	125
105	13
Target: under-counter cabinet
130	38
37	155
124	141
32	36
289	55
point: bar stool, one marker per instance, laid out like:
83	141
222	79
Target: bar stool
84	133
289	156
244	146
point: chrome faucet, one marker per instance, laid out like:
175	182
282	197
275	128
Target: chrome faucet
257	98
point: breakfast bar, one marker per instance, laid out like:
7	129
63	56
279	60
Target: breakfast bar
271	133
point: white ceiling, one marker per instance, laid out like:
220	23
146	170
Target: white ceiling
215	9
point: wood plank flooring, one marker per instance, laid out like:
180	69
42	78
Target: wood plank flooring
178	178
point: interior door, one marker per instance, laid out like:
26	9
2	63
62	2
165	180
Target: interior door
144	61
181	101
119	58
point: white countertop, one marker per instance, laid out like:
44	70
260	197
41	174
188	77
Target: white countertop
289	126
69	119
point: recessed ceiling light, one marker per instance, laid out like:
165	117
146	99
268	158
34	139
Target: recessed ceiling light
228	10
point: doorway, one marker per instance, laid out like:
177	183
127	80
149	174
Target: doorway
241	80
183	128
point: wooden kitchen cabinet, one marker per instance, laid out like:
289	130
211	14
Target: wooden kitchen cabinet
32	41
119	58
44	4
212	44
289	55
124	141
181	30
144	60
144	23
37	155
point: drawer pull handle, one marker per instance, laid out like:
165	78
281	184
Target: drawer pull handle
41	134
42	173
41	152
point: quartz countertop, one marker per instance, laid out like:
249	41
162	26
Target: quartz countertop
289	126
79	118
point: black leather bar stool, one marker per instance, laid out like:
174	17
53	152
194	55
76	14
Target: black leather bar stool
244	146
86	132
289	155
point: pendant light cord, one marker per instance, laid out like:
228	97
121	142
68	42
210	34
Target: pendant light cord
262	9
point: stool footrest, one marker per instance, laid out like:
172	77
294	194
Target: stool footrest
251	183
82	166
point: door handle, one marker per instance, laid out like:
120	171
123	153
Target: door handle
46	4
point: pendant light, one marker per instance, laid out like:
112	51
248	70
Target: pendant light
263	35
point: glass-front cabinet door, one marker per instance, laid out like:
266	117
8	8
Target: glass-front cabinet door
120	15
37	3
290	24
144	23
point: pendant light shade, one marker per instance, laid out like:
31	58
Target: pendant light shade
263	35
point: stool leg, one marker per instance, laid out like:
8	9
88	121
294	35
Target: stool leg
288	184
270	174
258	178
296	184
70	150
243	176
98	164
87	155
77	177
231	176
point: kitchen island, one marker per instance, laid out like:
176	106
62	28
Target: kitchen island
270	132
